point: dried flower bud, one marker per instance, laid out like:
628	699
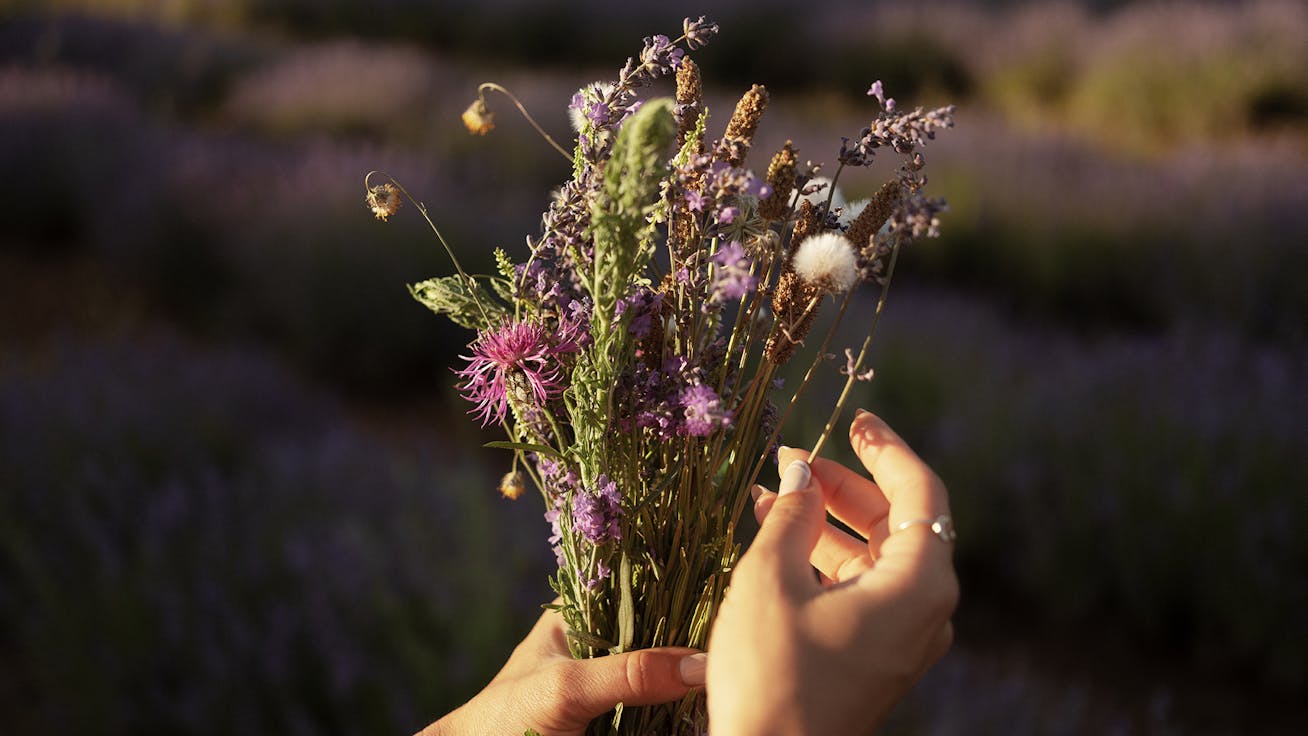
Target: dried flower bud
781	180
742	126
699	31
826	261
478	119
512	485
383	200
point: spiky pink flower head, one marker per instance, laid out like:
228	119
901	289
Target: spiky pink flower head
522	361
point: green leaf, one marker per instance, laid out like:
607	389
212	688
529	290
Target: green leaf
467	305
524	446
590	640
626	606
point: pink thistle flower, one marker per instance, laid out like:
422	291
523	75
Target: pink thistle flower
518	361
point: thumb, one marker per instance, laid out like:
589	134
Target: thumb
791	529
644	677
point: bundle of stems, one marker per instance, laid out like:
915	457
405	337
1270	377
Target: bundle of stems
632	359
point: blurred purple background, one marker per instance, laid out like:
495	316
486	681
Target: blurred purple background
237	493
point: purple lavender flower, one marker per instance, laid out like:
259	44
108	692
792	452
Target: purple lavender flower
643	305
523	358
660	56
878	92
695	201
732	277
596	515
703	411
602	573
556	533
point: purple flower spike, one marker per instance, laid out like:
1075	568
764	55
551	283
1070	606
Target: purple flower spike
732	278
596	515
703	411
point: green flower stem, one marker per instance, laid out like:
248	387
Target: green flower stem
481	92
422	209
862	355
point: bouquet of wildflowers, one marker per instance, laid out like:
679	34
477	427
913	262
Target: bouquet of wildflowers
632	358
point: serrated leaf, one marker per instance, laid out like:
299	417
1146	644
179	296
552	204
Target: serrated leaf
466	305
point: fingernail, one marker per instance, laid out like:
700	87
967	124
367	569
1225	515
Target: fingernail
692	669
755	492
861	412
796	477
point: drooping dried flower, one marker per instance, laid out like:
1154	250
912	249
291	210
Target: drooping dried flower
826	261
478	118
383	200
512	485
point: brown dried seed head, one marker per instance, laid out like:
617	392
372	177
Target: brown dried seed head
744	121
743	125
874	215
781	180
689	87
806	223
794	309
690	92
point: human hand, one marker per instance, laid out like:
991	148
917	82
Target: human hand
543	688
792	655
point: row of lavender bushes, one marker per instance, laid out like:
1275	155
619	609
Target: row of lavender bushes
194	542
246	216
1139	73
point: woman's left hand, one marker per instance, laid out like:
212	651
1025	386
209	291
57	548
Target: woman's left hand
543	688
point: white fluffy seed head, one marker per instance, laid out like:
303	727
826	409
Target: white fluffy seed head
827	261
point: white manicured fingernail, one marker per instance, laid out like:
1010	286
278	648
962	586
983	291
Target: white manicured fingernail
692	669
796	477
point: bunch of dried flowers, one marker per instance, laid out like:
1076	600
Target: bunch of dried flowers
632	358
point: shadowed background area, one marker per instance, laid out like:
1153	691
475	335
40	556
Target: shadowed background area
239	494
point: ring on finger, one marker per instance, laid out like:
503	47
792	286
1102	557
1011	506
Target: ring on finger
942	526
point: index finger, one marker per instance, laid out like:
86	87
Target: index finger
914	491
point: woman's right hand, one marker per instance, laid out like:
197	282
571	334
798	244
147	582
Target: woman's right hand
790	654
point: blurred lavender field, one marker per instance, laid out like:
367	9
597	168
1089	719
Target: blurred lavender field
237	493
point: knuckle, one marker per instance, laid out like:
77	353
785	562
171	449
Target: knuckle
641	672
562	680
